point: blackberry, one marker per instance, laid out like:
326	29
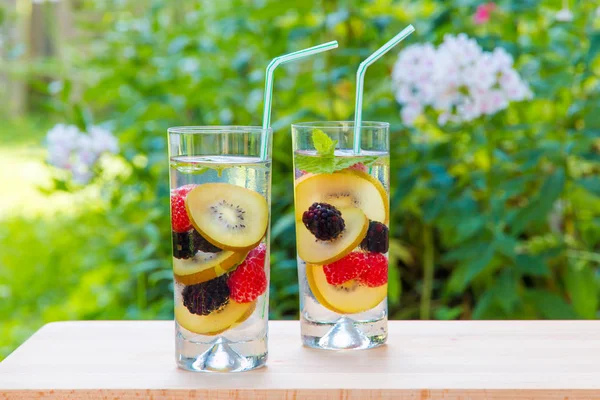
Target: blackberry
206	297
377	239
200	243
182	245
324	221
186	244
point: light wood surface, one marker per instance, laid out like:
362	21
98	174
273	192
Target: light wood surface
422	360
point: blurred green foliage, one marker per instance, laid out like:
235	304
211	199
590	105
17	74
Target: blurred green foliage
494	219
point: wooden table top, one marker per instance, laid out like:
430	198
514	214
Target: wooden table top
422	360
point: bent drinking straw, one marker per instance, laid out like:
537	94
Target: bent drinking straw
277	61
360	80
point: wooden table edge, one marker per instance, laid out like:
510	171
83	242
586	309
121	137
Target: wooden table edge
306	393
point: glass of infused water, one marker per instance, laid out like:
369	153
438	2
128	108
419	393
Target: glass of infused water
220	218
342	230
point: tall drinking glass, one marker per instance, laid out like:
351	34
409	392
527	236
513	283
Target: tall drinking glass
220	218
342	230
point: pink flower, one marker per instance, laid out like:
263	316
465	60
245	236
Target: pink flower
483	13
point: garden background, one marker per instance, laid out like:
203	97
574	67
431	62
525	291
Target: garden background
497	218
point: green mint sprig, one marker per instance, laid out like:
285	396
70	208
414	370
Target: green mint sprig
325	162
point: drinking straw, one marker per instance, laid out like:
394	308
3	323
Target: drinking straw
277	61
360	80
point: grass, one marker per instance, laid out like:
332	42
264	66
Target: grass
23	173
44	240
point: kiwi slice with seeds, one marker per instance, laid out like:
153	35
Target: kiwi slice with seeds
321	252
348	298
204	266
343	189
216	322
228	216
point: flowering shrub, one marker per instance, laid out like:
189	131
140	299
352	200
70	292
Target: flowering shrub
78	152
483	13
496	217
458	80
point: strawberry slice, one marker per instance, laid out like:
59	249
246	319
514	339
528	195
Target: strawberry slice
346	269
249	280
359	167
377	272
180	221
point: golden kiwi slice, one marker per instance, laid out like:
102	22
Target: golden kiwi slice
347	188
348	298
228	216
216	322
322	252
203	266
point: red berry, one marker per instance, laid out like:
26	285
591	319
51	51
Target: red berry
184	190
299	172
359	167
249	280
179	218
346	269
377	272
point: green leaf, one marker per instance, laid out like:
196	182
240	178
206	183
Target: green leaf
591	184
550	305
594	47
581	285
324	145
468	227
325	162
477	265
537	209
329	164
345	162
531	265
284	224
448	313
314	164
484	305
468	251
465	273
394	287
505	245
506	290
434	206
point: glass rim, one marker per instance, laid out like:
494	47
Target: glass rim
216	129
342	124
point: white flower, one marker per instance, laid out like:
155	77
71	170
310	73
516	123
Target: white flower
502	60
62	134
458	80
81	174
78	152
62	141
564	15
103	140
410	112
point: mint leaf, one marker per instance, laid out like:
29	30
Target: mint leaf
315	164
324	145
345	162
329	165
325	162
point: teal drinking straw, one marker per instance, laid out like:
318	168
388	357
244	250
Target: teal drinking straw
360	80
277	61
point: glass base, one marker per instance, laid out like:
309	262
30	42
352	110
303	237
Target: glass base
344	334
221	355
